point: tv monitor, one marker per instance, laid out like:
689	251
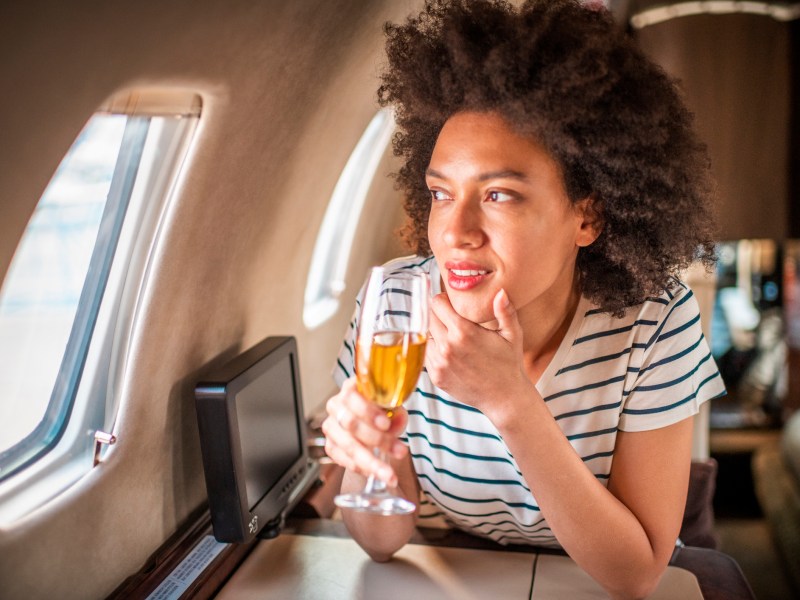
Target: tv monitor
253	442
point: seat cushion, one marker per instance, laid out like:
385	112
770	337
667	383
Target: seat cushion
778	491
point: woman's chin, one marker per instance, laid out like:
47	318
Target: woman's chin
476	313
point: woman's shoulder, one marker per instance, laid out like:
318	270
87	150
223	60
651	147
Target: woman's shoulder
676	300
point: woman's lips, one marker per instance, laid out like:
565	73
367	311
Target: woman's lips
465	277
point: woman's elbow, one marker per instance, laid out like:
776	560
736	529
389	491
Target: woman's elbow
645	588
379	550
378	555
379	536
638	587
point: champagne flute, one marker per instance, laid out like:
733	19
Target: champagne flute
389	354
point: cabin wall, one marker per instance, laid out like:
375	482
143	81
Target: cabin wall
741	99
287	88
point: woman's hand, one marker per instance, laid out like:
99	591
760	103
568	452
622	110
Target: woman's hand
355	426
479	366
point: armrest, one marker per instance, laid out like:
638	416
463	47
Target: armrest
719	575
697	528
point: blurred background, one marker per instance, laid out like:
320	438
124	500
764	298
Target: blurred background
738	67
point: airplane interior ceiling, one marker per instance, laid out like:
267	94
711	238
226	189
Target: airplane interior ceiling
287	89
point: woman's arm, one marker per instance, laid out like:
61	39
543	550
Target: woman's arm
382	535
622	535
354	427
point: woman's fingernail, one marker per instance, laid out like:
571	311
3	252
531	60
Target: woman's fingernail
382	422
398	447
504	301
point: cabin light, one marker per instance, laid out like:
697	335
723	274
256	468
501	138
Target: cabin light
659	14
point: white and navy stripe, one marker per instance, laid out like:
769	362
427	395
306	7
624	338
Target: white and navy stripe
646	370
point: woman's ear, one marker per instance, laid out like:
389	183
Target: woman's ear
590	210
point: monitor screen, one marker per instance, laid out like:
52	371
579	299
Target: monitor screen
268	431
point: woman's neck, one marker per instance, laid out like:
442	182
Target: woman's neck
544	328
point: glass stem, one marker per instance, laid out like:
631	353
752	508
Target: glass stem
375	485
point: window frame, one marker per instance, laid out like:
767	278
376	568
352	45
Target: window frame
331	255
54	423
96	394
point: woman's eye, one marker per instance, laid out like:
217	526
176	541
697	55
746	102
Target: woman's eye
437	195
500	197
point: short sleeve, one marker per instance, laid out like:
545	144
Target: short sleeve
345	361
344	367
677	373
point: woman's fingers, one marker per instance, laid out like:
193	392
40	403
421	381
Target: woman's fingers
355	427
398	421
436	327
398	449
507	321
365	411
348	452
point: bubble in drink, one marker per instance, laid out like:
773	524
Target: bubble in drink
388	372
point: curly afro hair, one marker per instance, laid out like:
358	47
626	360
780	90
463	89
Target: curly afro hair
565	75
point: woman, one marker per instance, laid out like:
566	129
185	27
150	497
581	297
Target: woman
554	188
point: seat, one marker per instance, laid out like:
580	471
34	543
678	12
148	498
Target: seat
776	472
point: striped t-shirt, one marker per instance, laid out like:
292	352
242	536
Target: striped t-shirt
646	370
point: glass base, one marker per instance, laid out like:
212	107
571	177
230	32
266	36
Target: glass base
381	503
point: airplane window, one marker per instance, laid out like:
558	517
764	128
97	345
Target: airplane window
39	298
63	307
326	275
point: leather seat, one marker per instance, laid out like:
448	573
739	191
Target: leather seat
776	471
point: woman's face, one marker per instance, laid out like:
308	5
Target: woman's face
500	218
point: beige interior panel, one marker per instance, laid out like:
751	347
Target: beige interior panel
287	89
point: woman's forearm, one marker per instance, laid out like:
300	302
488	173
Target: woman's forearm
381	535
595	528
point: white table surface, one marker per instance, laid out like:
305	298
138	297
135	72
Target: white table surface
329	568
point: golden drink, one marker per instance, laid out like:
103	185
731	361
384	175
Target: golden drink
389	355
389	374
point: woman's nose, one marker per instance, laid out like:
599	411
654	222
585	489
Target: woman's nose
463	226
